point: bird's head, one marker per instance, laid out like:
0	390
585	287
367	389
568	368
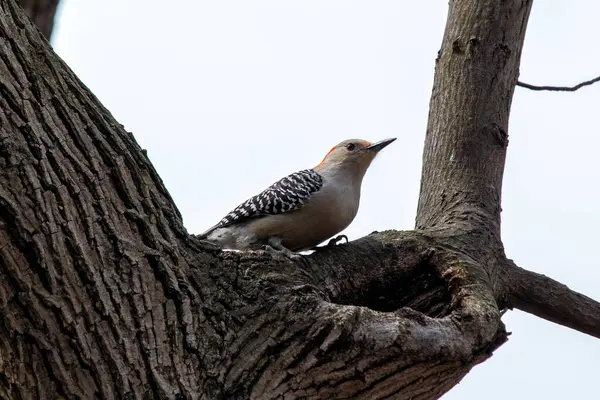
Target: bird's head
353	153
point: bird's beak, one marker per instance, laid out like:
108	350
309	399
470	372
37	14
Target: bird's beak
376	147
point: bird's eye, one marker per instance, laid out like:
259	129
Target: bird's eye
351	146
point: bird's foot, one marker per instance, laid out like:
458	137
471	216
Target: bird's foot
282	253
203	243
332	242
275	247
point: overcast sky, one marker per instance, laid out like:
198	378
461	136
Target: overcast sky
229	96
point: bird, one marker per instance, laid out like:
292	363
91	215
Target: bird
303	209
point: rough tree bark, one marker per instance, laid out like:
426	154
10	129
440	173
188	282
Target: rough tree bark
104	294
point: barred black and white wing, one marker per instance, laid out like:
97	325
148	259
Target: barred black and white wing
287	194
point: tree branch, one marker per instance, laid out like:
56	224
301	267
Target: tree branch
559	88
546	298
467	136
348	330
359	353
104	293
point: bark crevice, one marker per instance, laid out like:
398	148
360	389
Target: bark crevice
104	294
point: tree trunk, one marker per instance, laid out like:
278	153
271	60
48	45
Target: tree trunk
104	294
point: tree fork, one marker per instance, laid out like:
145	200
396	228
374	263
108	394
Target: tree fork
105	294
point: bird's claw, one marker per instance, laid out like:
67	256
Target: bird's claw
277	249
332	242
336	240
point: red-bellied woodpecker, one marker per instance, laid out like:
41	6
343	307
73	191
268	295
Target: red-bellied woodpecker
303	209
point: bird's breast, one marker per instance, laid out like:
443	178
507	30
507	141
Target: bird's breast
328	212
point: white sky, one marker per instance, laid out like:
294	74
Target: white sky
229	96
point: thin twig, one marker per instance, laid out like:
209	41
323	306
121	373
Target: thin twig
559	88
